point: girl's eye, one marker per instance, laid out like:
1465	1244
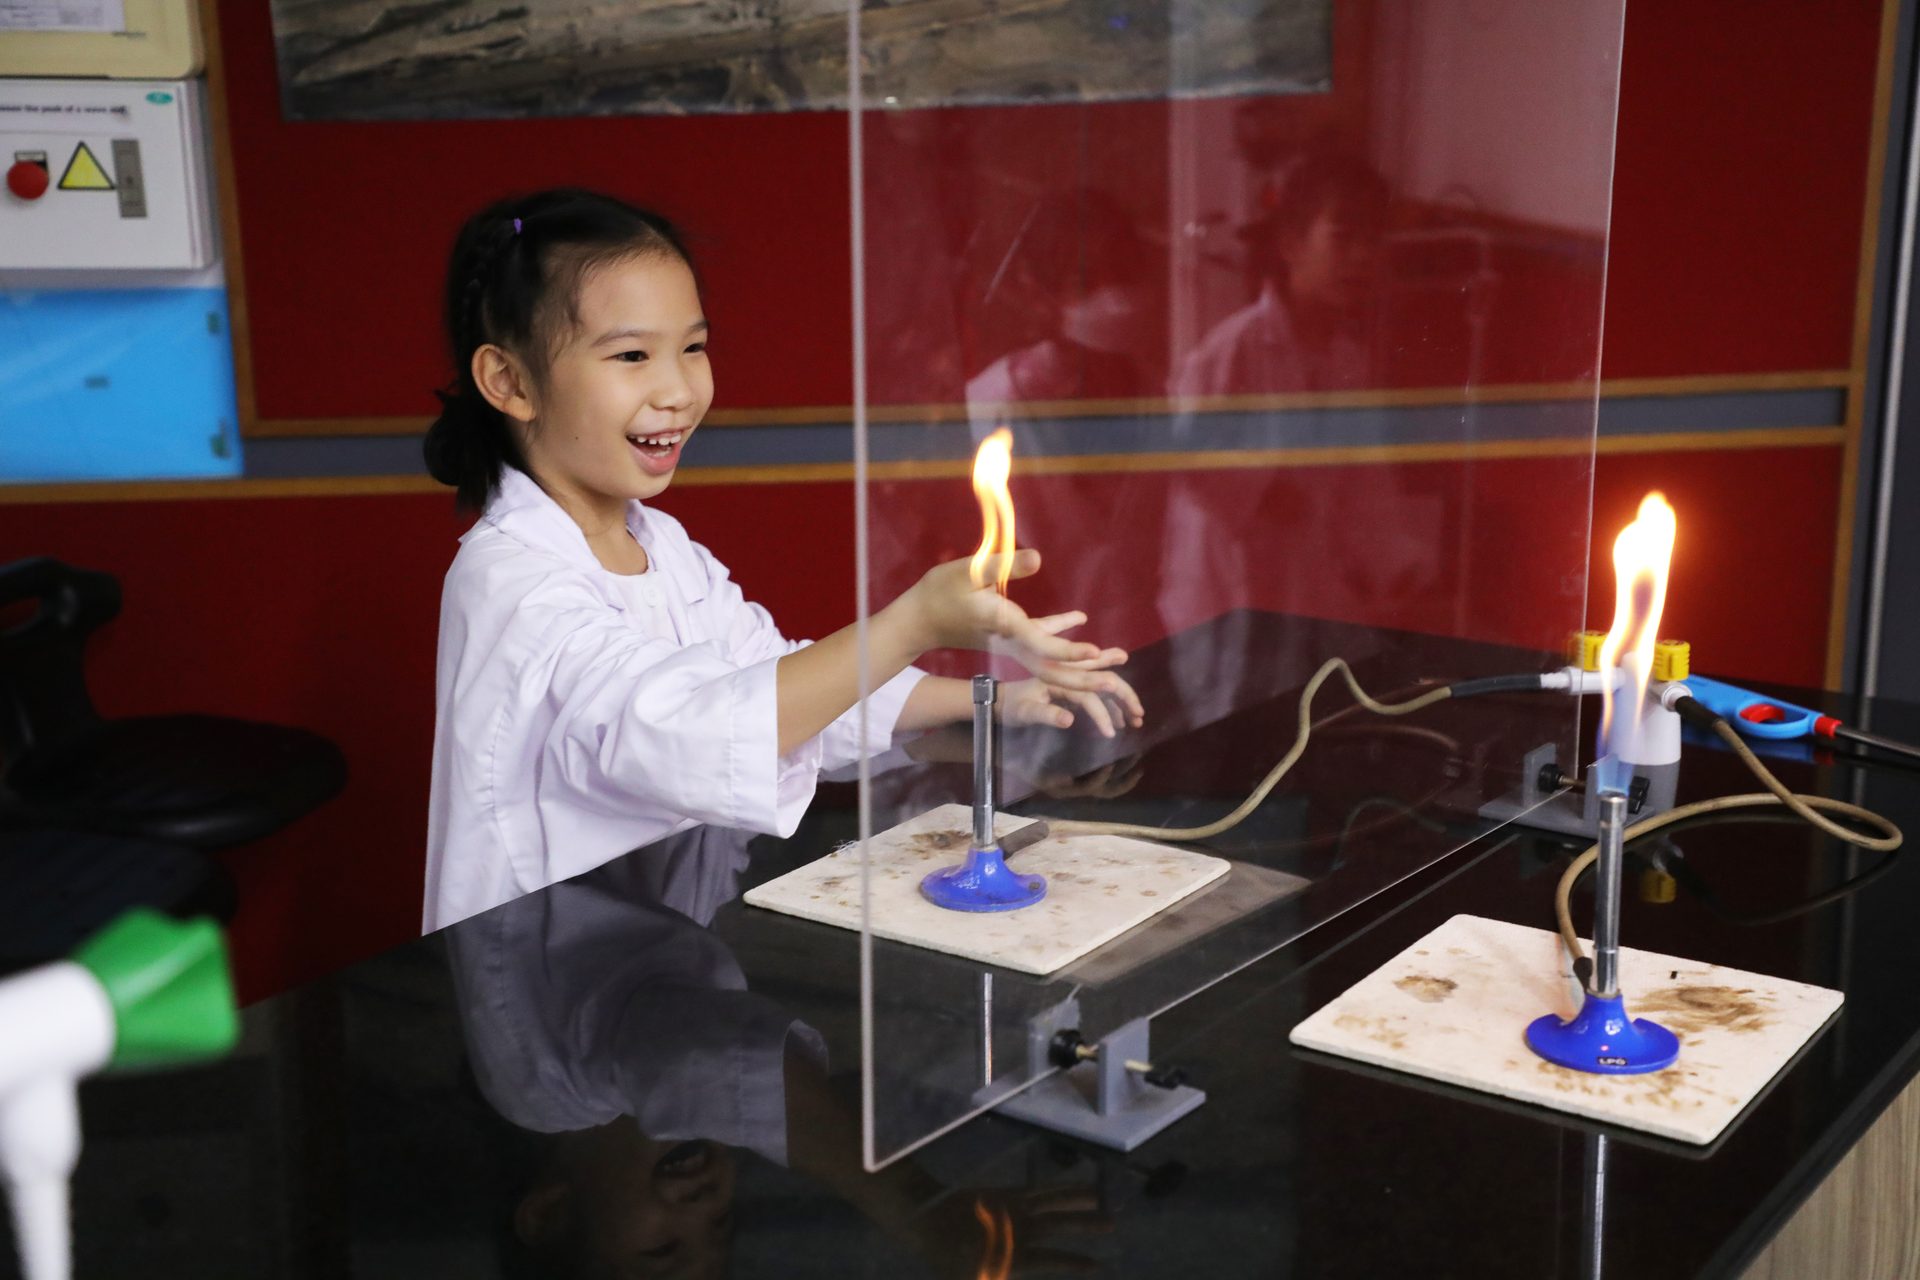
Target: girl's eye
696	348
631	357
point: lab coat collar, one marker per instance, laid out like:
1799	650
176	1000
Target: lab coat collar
522	510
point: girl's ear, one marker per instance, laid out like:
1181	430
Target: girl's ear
503	380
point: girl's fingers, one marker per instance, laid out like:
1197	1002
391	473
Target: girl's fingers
1107	658
1130	702
1096	709
1125	777
1054	624
1080	677
1050	648
1051	714
1031	702
1061	676
1058	661
1026	563
1125	700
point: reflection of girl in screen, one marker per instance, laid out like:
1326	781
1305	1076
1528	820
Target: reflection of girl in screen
621	1031
1068	294
1359	543
608	1023
1315	251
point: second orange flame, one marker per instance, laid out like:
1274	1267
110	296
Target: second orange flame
1641	557
992	465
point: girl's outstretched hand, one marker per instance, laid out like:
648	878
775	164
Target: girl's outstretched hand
1035	701
946	611
1057	689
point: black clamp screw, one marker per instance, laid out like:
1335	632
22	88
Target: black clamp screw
1067	1048
1166	1077
1554	778
1637	793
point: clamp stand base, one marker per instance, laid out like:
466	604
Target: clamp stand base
1101	1101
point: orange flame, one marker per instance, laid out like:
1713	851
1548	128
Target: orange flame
1641	555
996	1256
992	464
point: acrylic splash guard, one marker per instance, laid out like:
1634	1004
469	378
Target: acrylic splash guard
1282	378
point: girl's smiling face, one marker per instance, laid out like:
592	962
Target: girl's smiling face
626	386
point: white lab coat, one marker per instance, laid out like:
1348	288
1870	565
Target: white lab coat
581	714
1256	351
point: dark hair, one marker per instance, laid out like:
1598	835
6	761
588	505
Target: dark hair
1318	182
513	280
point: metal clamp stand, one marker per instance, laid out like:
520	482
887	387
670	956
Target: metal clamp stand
1602	1038
1545	801
983	882
1108	1093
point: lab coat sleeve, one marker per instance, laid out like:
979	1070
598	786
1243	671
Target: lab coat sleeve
752	636
642	724
840	741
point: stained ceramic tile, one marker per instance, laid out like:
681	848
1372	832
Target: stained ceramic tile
1455	1006
1098	887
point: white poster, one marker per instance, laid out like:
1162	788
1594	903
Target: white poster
109	16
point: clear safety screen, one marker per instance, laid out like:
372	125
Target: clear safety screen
1292	313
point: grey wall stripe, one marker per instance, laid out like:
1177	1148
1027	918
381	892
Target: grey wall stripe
1740	411
1293	429
333	456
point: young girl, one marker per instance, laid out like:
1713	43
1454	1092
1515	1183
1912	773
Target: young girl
601	680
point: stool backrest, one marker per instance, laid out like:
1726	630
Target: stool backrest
43	682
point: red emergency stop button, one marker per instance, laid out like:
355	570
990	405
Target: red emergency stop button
28	179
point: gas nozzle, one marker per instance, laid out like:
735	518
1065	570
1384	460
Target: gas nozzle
146	991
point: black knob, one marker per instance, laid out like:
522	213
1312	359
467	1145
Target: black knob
1063	1050
1637	793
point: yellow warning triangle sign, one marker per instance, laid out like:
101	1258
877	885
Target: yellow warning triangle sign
84	173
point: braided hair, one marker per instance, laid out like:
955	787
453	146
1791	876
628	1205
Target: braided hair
513	281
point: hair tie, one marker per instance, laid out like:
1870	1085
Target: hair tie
516	226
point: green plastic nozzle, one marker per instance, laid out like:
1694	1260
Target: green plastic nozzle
168	983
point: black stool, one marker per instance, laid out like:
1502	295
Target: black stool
58	888
202	781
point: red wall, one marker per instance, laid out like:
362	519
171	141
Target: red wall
1736	218
316	613
1751	573
1743	141
1738	183
322	612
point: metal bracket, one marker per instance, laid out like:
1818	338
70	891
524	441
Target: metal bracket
1102	1100
1576	813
